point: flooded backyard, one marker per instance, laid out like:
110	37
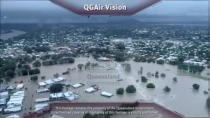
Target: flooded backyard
182	98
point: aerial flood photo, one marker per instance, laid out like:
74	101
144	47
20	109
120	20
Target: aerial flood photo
104	59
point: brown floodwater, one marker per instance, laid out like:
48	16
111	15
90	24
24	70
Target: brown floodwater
182	98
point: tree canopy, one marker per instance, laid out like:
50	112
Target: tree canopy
56	88
131	89
120	91
150	85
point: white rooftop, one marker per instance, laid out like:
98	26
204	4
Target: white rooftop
13	116
106	94
42	90
90	90
38	100
20	86
40	106
42	84
77	85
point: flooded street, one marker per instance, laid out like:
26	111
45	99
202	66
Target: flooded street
182	98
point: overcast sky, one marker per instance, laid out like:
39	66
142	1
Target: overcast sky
46	11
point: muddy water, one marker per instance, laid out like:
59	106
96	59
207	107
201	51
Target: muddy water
182	98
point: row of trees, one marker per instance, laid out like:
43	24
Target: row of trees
129	89
179	61
66	60
132	89
10	67
37	64
26	72
7	68
166	89
191	68
88	65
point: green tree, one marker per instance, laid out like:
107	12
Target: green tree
28	50
1	81
10	73
160	61
150	85
163	75
208	102
66	60
175	79
144	79
140	59
167	89
24	72
27	67
120	91
120	46
87	65
120	57
156	74
37	64
127	67
131	89
196	86
34	71
56	88
7	68
43	77
34	78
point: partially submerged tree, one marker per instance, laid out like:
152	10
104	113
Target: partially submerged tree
208	102
127	67
34	71
175	79
156	74
37	64
196	86
10	73
131	89
56	88
80	66
167	89
34	78
1	81
120	91
150	85
163	75
56	75
144	79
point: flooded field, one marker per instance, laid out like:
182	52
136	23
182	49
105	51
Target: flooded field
11	34
182	98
